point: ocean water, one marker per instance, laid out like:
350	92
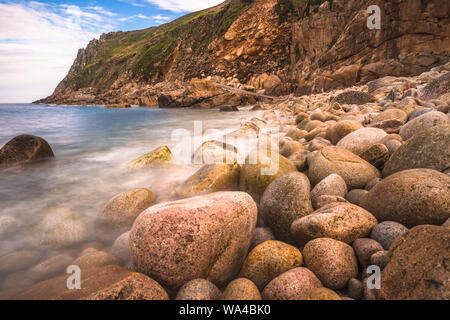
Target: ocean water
92	146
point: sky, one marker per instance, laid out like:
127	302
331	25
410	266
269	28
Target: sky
39	40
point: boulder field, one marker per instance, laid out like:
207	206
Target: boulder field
361	182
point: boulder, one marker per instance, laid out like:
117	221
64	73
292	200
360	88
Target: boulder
332	261
268	260
331	185
285	200
386	232
24	149
19	260
364	249
159	156
426	121
353	97
120	212
299	159
93	258
437	87
50	268
259	171
204	237
428	149
341	129
339	221
355	196
355	171
199	289
418	268
411	197
58	228
121	249
377	155
241	289
216	152
291	284
361	140
211	178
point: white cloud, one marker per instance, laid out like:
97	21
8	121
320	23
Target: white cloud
38	43
183	5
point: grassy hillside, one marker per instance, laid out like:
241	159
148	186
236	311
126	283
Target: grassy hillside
146	55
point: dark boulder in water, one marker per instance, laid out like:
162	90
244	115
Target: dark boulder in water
23	149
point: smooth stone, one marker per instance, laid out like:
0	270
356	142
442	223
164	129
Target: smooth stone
285	200
417	268
353	97
380	258
332	261
428	149
299	159
268	260
25	149
19	260
355	196
291	284
423	122
411	197
198	289
355	171
377	155
119	213
361	140
341	129
202	237
339	221
325	200
58	228
50	268
94	259
331	185
211	178
386	232
364	249
121	248
241	289
290	147
157	157
355	289
216	152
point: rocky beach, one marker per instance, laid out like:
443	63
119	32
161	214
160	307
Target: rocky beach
356	126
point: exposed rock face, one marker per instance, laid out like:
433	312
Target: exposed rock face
25	148
274	46
204	237
418	268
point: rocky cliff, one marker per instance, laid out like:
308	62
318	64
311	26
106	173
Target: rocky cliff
273	47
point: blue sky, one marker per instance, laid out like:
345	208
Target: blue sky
39	39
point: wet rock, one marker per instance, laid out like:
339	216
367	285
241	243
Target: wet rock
386	232
340	221
58	228
259	172
120	212
241	289
24	149
426	121
417	269
94	259
355	171
202	237
318	294
364	249
428	149
157	157
285	200
331	185
216	152
291	284
199	289
361	140
50	268
19	260
333	262
211	178
268	260
411	197
121	248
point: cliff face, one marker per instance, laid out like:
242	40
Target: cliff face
311	45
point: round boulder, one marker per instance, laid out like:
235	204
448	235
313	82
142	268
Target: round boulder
425	121
331	185
23	149
361	140
411	197
386	232
241	289
341	129
333	262
199	289
285	200
204	237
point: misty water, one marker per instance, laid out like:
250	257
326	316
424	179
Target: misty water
92	147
